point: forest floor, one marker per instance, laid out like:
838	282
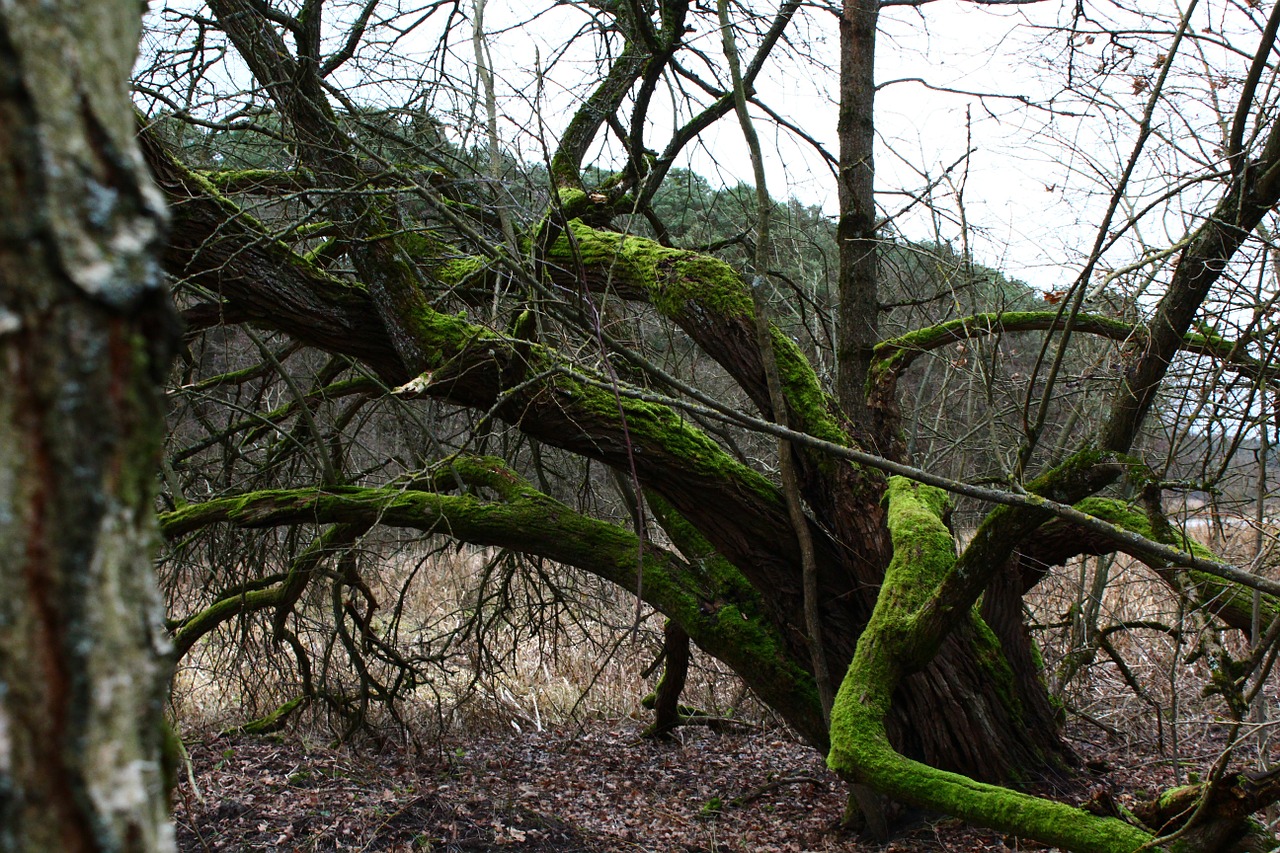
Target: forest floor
594	788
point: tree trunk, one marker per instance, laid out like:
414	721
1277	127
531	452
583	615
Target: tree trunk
666	696
859	307
741	515
85	325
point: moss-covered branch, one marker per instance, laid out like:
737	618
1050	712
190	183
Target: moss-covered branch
566	163
709	597
530	385
710	301
227	607
259	181
895	355
213	243
740	511
1251	194
896	643
1060	540
1017	514
289	181
723	580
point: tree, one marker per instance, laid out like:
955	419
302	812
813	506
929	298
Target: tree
86	327
428	272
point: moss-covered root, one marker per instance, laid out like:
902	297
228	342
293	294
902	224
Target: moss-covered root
272	722
891	646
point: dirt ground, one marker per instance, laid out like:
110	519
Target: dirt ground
597	788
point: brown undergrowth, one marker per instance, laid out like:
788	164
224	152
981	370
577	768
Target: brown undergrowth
542	750
598	788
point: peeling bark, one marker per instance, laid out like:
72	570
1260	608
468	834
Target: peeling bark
85	332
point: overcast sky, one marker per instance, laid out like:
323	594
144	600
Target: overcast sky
1034	186
1030	205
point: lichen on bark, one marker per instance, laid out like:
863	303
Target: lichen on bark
85	333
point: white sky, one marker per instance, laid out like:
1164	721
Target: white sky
1031	207
1031	204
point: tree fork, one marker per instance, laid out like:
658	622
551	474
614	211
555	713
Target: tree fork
895	643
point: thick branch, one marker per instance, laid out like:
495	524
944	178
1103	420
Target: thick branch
1059	541
566	165
710	599
895	643
894	356
738	510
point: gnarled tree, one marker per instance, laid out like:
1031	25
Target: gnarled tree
86	334
432	279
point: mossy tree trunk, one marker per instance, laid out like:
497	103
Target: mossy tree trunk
85	329
738	512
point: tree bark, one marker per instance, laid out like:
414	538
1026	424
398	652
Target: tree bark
856	230
898	640
85	331
666	696
741	515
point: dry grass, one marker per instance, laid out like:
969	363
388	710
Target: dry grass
1153	696
507	645
500	643
531	673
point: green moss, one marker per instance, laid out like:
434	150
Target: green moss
1037	658
246	180
719	609
199	624
446	339
272	721
860	749
989	655
660	426
811	406
573	201
739	626
673	280
320	254
1004	527
695	289
1078	473
458	270
923	549
893	355
1136	520
1220	596
173	754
